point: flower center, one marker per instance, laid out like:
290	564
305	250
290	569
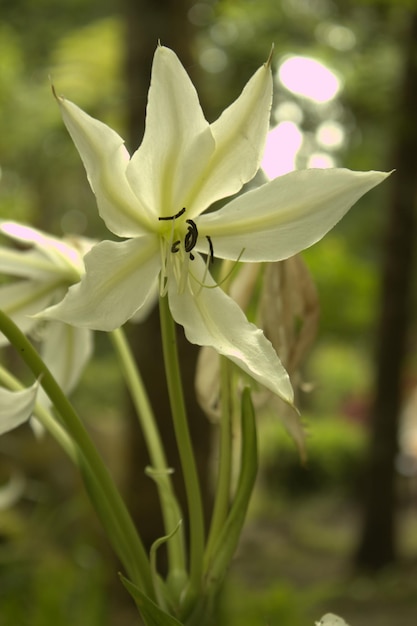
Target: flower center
176	242
190	238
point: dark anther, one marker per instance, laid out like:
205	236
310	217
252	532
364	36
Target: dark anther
191	236
211	250
175	246
173	217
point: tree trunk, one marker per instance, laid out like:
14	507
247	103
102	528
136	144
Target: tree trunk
147	23
377	545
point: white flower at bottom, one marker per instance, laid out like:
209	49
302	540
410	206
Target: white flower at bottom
330	619
156	200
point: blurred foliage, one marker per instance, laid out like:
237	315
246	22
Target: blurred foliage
340	376
278	604
52	564
42	179
335	449
348	288
53	589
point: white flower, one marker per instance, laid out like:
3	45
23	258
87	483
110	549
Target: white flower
156	199
330	619
16	407
44	270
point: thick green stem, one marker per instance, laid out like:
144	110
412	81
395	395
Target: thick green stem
228	538
222	499
185	448
170	509
131	550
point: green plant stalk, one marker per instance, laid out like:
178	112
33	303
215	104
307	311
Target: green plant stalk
132	552
222	498
228	538
170	508
185	448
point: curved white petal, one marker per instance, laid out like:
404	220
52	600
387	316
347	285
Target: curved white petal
66	350
143	313
22	299
28	234
16	407
105	159
211	318
118	280
25	264
53	255
52	247
177	143
284	216
240	135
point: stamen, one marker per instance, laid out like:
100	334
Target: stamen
232	269
176	246
206	269
211	250
173	217
224	279
163	278
191	236
183	274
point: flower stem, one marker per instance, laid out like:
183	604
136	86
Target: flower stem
228	537
184	443
103	492
222	499
170	508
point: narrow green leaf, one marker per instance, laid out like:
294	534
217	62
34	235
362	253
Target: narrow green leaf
150	612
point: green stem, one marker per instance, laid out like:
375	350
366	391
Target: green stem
222	499
170	509
132	551
228	538
184	443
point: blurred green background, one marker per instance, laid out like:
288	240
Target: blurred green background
297	556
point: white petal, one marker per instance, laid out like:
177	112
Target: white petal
211	318
27	234
22	299
52	254
26	264
16	407
118	281
177	143
65	351
143	313
105	159
240	135
285	216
